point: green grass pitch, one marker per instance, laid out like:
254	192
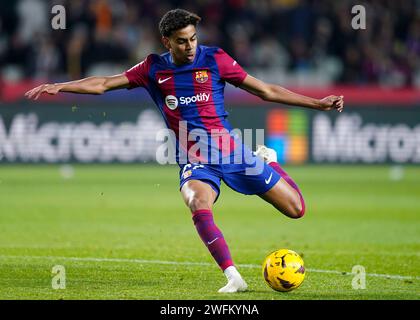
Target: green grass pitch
123	232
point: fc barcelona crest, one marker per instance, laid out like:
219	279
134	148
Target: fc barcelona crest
201	76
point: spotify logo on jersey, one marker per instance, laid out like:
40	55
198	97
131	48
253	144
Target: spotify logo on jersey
171	102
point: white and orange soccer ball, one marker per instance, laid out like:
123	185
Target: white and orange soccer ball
283	270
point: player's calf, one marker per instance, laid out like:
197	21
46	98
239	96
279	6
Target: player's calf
285	196
285	199
293	209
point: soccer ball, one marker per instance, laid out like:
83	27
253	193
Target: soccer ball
283	270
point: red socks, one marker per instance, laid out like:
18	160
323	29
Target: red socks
212	237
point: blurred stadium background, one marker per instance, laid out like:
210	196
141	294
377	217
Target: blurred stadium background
306	46
288	41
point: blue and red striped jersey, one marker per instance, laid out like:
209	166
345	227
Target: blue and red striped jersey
190	98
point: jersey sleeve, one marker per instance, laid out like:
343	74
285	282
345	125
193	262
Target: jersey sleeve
229	69
138	76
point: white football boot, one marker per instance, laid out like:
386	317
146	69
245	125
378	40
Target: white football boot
235	281
266	154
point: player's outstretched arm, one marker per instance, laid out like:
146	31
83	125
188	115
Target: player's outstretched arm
91	85
276	93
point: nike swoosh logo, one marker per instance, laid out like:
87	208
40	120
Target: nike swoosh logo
163	80
267	181
210	242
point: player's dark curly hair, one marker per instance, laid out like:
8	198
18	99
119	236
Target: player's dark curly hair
177	19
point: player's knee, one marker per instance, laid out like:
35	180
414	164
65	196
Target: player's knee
297	208
198	203
298	212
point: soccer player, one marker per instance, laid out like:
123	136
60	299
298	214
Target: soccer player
187	85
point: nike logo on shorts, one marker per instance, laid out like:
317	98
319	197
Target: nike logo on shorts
163	80
267	181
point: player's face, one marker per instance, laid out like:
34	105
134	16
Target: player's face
182	44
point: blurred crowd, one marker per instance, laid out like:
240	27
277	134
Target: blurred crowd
300	42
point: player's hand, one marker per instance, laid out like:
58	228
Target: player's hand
332	103
34	93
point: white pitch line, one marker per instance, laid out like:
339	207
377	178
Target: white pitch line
189	263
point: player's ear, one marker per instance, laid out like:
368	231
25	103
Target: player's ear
166	43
